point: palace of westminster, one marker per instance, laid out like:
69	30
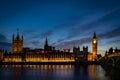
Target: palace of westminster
48	54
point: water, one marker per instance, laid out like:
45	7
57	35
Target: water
52	72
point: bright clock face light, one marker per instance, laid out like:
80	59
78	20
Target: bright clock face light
94	41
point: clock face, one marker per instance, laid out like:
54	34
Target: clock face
94	41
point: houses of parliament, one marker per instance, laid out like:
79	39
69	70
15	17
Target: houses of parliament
49	53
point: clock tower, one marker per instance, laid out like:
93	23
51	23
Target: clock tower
94	46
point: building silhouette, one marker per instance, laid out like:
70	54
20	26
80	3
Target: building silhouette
49	53
80	56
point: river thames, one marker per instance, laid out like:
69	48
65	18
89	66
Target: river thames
53	72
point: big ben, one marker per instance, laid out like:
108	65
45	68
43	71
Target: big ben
94	46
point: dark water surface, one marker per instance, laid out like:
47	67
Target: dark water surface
52	72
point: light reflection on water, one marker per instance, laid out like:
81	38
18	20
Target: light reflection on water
52	72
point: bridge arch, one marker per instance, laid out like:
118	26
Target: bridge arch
110	61
117	62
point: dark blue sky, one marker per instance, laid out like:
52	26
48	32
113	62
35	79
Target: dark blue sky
65	22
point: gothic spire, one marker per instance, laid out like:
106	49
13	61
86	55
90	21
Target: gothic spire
46	42
94	36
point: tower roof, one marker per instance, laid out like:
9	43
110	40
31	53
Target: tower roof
46	42
94	36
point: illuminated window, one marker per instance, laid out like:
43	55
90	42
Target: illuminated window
15	49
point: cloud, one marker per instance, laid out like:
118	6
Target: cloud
6	46
42	35
46	34
91	25
2	38
4	43
70	44
60	40
36	43
86	24
111	34
114	41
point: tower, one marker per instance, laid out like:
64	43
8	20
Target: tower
17	43
94	46
46	44
48	48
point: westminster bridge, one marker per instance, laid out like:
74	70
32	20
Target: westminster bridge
111	60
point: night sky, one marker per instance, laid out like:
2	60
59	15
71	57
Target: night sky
66	23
